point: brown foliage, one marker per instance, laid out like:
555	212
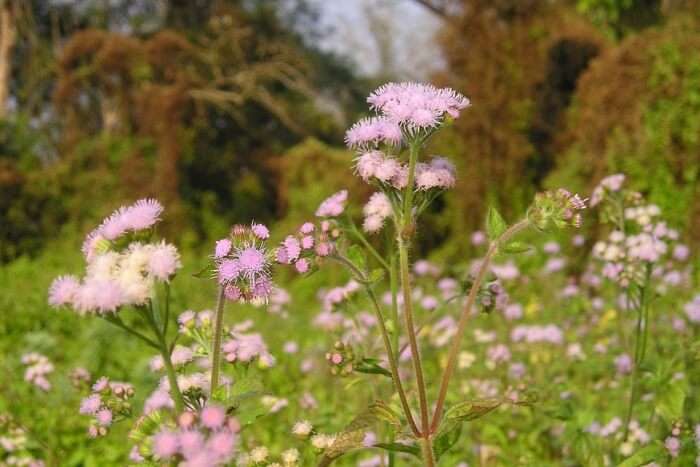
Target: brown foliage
499	55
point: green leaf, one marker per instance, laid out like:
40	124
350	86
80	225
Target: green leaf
352	437
399	447
445	441
357	257
471	410
645	455
515	248
670	403
203	273
376	275
371	366
495	225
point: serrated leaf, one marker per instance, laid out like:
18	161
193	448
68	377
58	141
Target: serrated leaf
471	410
495	225
399	447
515	248
645	455
352	437
383	412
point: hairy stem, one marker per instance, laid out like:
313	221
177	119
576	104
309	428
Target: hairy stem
426	447
464	318
216	341
404	235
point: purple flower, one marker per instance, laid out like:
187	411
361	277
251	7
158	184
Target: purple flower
333	206
260	231
213	416
165	444
164	261
229	269
91	404
63	290
222	248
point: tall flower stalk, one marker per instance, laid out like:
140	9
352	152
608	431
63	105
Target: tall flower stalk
408	115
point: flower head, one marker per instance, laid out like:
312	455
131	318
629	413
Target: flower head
334	205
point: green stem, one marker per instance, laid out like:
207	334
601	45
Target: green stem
411	332
115	320
393	283
167	362
640	342
172	380
393	362
464	318
216	340
426	447
368	246
405	234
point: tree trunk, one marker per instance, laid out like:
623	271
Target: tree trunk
8	36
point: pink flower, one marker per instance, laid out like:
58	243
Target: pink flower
417	105
253	264
164	261
165	444
98	295
302	265
104	417
260	231
293	248
371	131
333	206
307	242
229	269
90	405
143	214
212	416
307	228
63	290
623	364
222	443
222	248
191	442
366	165
232	293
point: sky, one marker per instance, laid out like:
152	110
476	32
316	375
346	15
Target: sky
381	36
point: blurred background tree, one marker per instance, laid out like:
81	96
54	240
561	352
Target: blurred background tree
215	106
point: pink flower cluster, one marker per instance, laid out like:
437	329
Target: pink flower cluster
245	347
310	243
388	171
141	215
535	334
117	277
404	107
205	439
243	264
107	400
38	368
